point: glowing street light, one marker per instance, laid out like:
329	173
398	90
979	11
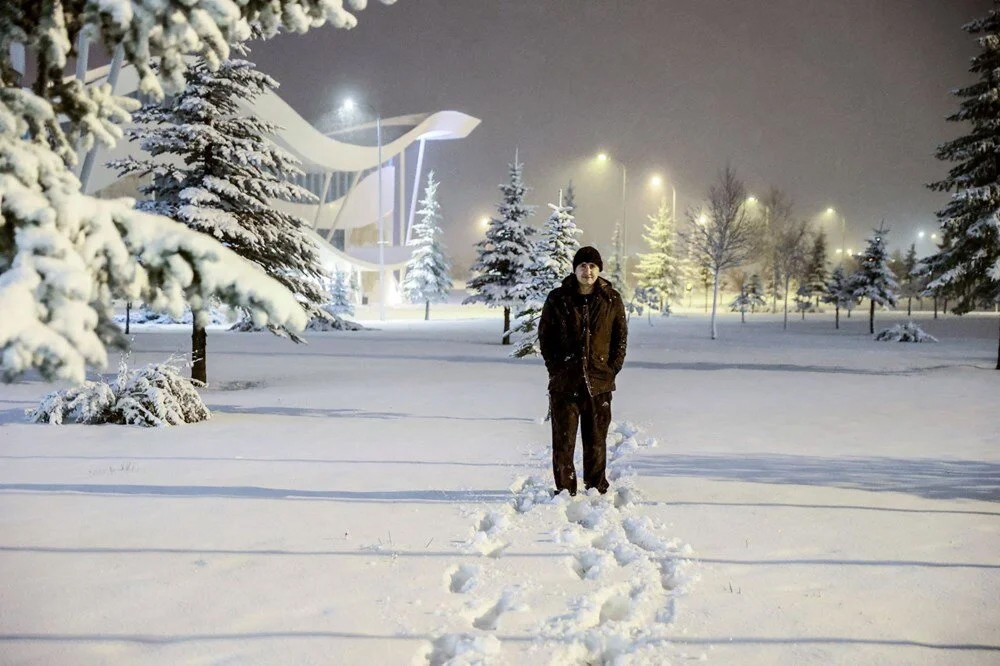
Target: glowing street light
703	219
484	222
602	157
751	199
656	182
920	234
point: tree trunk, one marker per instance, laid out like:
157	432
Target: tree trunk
715	299
199	342
836	316
871	317
706	298
848	314
998	354
506	326
128	315
774	294
803	314
785	324
743	315
944	307
427	310
909	306
935	307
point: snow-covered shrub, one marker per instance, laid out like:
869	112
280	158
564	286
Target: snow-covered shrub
145	315
908	332
154	395
333	323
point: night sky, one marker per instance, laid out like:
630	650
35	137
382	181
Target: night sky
838	103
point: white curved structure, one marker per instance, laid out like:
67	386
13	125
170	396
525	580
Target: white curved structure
319	152
341	174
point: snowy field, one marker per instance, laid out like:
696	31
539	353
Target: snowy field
799	497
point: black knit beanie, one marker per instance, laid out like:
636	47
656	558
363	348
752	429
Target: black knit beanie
588	255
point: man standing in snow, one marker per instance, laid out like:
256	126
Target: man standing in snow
582	334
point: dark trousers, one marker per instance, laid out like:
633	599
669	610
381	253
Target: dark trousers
592	415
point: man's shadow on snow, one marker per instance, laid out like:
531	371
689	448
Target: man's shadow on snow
930	478
422	496
322	412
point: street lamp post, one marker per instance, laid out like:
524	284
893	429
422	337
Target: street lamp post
349	106
843	232
603	157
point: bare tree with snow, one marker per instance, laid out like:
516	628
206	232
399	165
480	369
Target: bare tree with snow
724	238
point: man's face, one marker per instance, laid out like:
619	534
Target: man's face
586	274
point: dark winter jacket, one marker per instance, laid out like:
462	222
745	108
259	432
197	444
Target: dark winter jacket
583	344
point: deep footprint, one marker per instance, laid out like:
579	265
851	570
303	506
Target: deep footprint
463	579
489	620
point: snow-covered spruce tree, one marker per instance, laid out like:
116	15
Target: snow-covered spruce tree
65	256
648	299
569	199
501	272
874	279
428	272
219	178
341	299
616	262
912	284
816	273
838	291
552	261
660	267
726	237
969	263
743	300
755	292
803	298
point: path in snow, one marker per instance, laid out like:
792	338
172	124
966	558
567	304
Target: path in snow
631	575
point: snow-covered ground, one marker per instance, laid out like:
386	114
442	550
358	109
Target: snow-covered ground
792	497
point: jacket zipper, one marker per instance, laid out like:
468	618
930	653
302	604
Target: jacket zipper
586	347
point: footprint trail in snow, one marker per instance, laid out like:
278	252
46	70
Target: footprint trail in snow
578	580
